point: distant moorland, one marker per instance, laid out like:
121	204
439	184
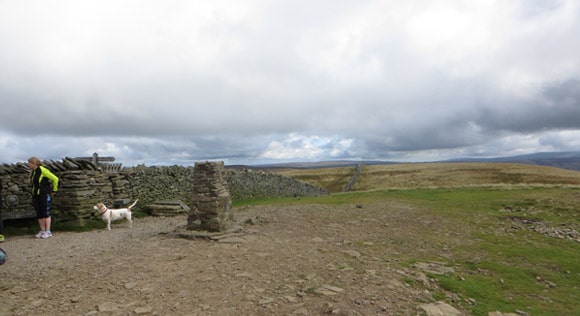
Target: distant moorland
564	160
434	175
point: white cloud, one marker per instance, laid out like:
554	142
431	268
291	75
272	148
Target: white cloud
559	141
309	148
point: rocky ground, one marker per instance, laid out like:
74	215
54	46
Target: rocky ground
285	260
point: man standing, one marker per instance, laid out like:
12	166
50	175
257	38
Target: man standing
42	192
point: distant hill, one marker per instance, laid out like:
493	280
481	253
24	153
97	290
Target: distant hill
312	165
564	160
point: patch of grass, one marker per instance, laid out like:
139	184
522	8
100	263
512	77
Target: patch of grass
509	287
409	280
20	227
312	290
24	227
520	270
528	269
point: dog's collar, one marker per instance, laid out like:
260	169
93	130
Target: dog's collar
103	212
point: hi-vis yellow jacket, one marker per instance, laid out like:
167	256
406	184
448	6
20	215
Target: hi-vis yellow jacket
40	183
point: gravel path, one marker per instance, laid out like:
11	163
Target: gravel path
287	260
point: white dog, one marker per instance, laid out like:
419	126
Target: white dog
110	215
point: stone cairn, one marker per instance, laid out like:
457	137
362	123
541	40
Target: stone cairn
211	206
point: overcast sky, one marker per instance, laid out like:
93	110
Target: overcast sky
259	81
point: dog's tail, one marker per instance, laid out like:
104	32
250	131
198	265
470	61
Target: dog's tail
130	206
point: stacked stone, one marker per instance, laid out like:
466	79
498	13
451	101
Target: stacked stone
167	208
79	191
211	206
120	184
16	198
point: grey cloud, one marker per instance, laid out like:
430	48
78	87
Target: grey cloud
556	107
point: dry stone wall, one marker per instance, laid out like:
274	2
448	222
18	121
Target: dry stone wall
82	185
78	189
255	184
151	184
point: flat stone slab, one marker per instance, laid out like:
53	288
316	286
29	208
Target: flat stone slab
440	309
231	235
